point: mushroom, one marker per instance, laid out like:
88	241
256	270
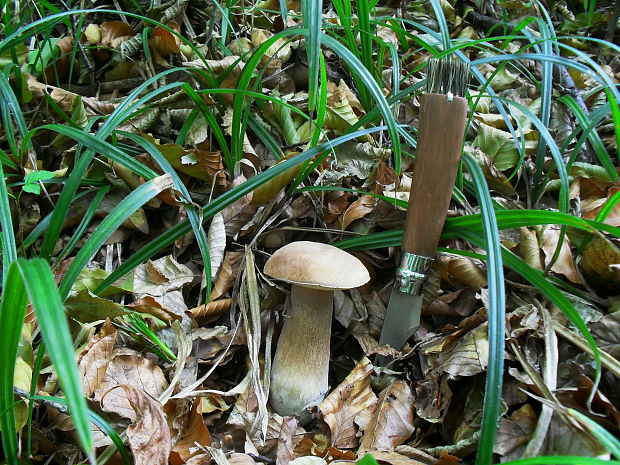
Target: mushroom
301	363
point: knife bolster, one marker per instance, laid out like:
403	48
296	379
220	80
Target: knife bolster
412	273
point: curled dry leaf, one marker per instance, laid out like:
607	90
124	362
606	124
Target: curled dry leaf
352	397
515	431
237	215
466	271
357	210
217	242
156	278
95	357
391	423
113	33
565	264
227	274
433	396
210	312
195	434
151	306
529	248
149	435
237	458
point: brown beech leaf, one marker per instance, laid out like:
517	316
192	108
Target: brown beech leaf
227	274
564	265
462	352
195	433
112	31
358	209
515	431
150	306
529	248
148	436
95	357
344	403
285	452
210	312
129	369
466	271
391	423
433	395
614	216
164	41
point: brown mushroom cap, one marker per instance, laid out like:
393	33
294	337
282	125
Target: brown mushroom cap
316	265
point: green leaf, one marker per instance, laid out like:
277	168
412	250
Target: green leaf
31	181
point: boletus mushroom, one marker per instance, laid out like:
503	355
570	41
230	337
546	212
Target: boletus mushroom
301	363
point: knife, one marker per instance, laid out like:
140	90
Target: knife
443	115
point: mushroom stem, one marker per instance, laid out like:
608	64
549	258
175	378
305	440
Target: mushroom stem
301	363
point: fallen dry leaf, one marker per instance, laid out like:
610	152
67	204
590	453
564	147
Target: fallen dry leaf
285	451
95	357
357	210
129	369
466	271
565	265
529	248
196	434
148	435
210	312
391	422
344	403
227	274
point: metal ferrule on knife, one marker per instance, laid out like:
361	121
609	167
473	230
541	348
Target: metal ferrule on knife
412	273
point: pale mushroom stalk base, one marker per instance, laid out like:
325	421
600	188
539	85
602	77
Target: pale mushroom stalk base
301	363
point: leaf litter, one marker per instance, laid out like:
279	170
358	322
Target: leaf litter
210	404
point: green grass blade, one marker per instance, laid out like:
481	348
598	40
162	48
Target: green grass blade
443	25
9	249
312	20
115	218
12	313
592	135
611	443
496	316
39	282
608	207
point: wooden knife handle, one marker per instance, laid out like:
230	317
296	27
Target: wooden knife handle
440	139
